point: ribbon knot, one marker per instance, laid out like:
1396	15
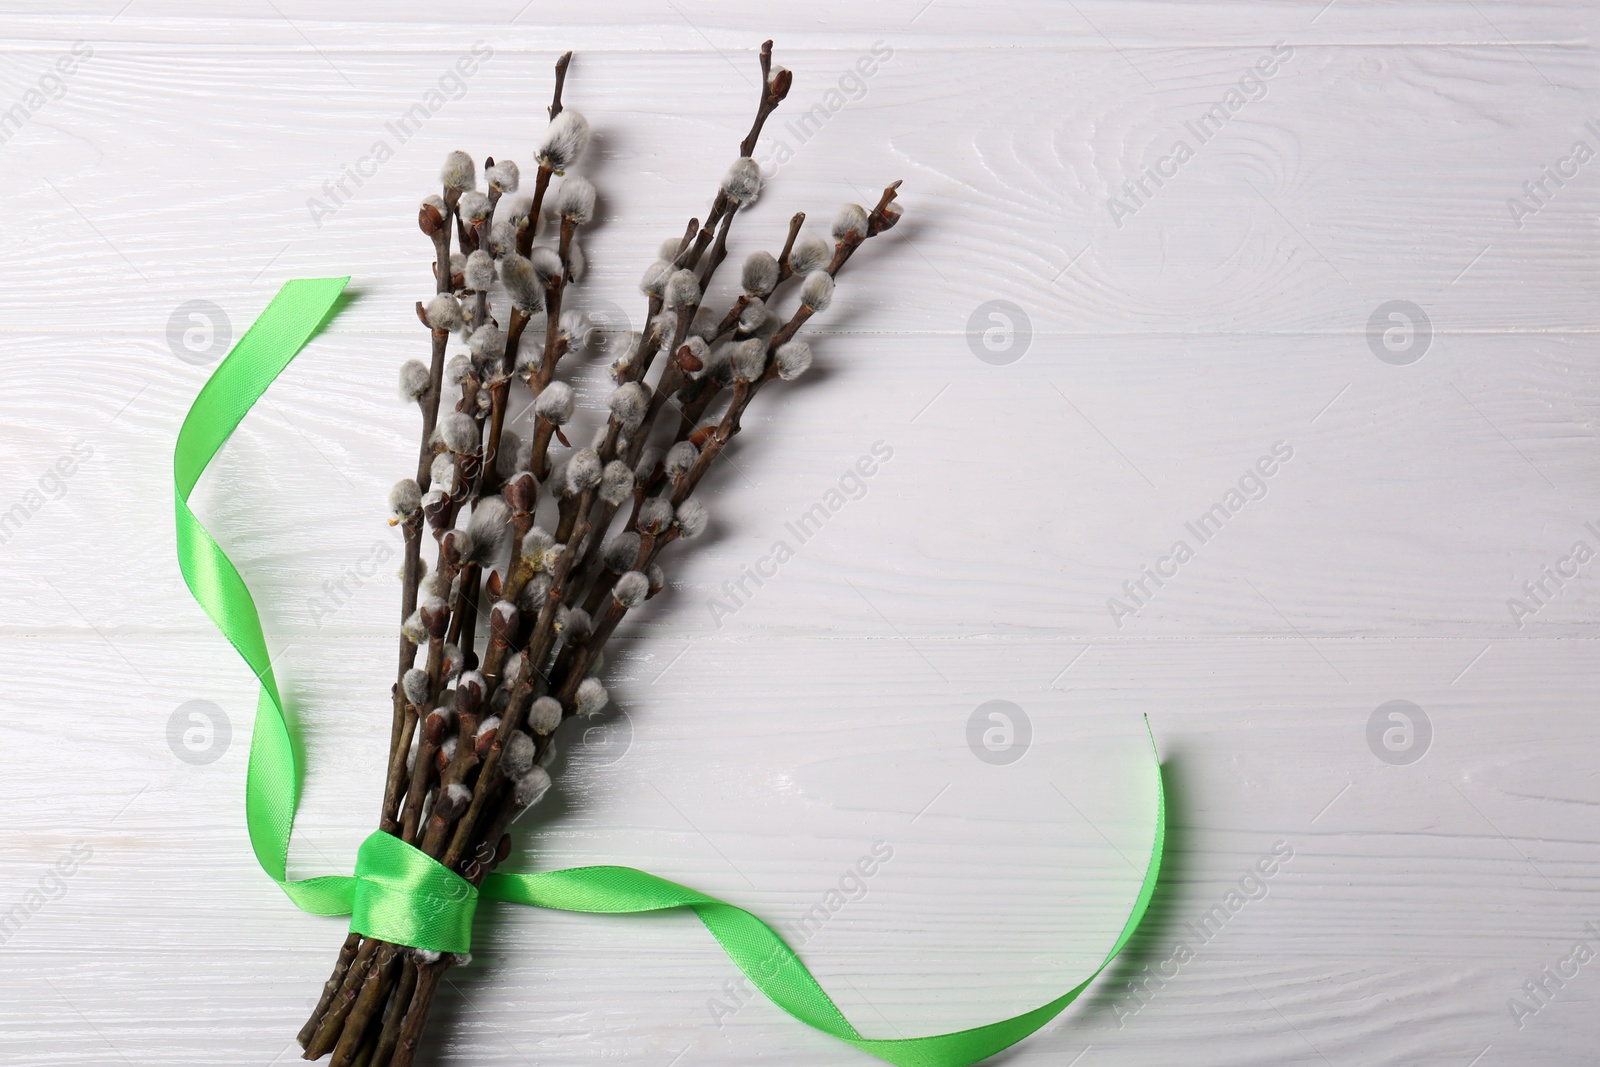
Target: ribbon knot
406	897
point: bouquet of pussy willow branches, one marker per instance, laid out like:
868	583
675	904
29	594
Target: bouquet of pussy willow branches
550	551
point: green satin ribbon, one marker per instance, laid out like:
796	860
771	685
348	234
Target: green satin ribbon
403	896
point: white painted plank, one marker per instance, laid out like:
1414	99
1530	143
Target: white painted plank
772	746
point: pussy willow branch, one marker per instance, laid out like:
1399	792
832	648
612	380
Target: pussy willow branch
446	791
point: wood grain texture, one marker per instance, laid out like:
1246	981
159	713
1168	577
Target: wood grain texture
766	744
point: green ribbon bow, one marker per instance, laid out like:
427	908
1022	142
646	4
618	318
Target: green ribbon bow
403	896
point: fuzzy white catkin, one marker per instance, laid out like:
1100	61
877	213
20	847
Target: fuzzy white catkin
616	483
621	551
438	583
516	759
573	623
760	274
505	457
794	359
575	262
535	543
488	342
490	527
742	183
533	785
511	669
658	580
443	472
817	291
647	463
564	141
575	199
545	715
413	379
852	218
458	370
591	697
532	597
753	315
556	404
458	171
415	685
669	248
680	457
404	499
628	404
546	264
573	327
437	203
480	271
459	433
767	327
412	629
810	254
683	290
654	514
458	263
655	278
502	239
526	291
705	324
583	470
504	176
444	312
692	518
630	589
664	325
749	359
473	206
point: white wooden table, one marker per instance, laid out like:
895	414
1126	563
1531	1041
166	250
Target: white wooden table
1171	336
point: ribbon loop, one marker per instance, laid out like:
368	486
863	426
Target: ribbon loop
406	897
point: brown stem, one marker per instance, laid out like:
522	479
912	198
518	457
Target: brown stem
773	90
416	1017
389	1036
561	80
784	270
330	988
374	992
